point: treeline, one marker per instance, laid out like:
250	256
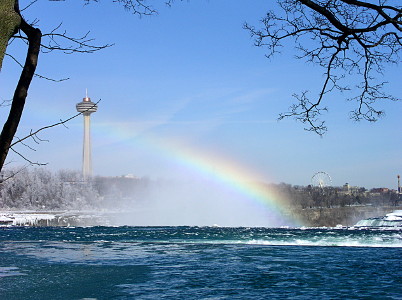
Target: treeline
40	189
330	197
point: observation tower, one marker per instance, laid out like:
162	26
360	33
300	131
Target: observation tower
87	107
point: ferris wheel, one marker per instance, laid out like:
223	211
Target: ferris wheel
321	180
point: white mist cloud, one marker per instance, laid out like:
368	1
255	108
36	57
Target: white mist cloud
195	203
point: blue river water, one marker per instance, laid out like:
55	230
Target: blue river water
199	263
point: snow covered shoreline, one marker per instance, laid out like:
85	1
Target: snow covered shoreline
125	218
57	218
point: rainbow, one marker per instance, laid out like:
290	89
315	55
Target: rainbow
234	176
226	172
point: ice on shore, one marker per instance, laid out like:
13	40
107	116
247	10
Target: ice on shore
21	219
391	220
51	219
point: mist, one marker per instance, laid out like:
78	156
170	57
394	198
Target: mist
194	203
133	201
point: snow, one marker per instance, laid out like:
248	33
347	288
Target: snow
19	219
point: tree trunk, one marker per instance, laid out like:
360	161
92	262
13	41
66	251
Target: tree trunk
10	20
21	91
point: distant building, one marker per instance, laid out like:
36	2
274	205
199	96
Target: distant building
380	190
349	190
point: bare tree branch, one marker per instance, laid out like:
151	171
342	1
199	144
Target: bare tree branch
62	122
346	38
29	5
58	40
2	179
137	7
37	139
36	74
27	160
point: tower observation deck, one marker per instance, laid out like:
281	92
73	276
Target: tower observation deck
87	107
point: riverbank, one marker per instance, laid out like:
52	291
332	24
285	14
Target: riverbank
52	218
314	217
346	216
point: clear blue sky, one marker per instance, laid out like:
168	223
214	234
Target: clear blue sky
192	75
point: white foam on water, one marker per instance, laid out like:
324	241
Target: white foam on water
375	242
10	271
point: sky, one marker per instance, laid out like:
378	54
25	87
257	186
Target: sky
186	88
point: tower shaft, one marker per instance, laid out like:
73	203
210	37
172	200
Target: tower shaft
86	151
